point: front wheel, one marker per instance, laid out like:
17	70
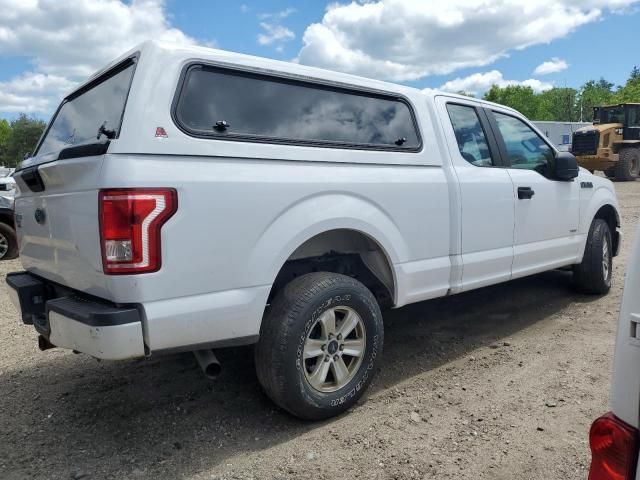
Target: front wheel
628	166
593	274
320	345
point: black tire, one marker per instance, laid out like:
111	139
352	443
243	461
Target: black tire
610	172
8	234
590	275
628	165
291	318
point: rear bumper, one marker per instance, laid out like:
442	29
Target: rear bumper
80	323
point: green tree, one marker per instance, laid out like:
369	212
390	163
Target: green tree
518	97
25	132
630	91
5	137
594	94
557	104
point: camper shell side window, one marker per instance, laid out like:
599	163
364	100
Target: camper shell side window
227	104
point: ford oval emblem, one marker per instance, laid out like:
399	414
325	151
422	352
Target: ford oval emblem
40	216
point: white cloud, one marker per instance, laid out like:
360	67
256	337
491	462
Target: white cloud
67	41
274	32
554	65
409	39
478	83
277	15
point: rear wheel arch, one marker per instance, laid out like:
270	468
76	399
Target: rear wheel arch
344	251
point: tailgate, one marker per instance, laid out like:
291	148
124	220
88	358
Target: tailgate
57	203
58	228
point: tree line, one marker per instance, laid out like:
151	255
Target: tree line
566	104
18	137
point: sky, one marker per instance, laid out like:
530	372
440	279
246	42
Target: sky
47	47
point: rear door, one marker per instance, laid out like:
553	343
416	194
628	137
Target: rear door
486	193
57	204
546	210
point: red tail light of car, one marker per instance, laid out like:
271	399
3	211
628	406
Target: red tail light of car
130	224
614	449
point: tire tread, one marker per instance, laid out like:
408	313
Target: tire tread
276	328
588	274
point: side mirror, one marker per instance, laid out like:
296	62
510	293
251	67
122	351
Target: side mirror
566	166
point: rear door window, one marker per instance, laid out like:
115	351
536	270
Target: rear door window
80	116
272	109
472	141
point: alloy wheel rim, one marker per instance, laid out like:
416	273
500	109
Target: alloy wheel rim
606	260
4	246
334	349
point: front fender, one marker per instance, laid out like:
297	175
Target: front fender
6	216
316	214
601	196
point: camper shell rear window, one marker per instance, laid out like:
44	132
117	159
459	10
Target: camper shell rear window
91	116
226	104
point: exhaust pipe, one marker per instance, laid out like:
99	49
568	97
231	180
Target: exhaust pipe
44	344
208	363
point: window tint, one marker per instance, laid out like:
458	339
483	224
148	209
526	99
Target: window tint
79	118
260	106
470	136
634	116
525	148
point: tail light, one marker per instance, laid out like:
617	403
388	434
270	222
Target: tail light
614	449
130	223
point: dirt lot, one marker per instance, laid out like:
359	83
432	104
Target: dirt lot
499	383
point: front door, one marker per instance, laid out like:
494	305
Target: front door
546	210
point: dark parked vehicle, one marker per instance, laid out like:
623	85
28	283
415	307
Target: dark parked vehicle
8	242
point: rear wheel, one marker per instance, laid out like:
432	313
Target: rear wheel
593	274
8	242
628	165
320	345
610	172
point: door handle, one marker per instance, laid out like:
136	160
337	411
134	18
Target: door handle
525	193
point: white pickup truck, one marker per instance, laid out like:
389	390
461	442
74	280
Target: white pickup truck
187	199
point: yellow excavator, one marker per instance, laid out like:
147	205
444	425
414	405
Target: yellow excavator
612	143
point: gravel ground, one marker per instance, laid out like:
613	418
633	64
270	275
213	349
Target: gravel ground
498	383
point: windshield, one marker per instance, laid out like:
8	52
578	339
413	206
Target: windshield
611	115
82	114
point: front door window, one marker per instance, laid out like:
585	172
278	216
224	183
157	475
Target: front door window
525	148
